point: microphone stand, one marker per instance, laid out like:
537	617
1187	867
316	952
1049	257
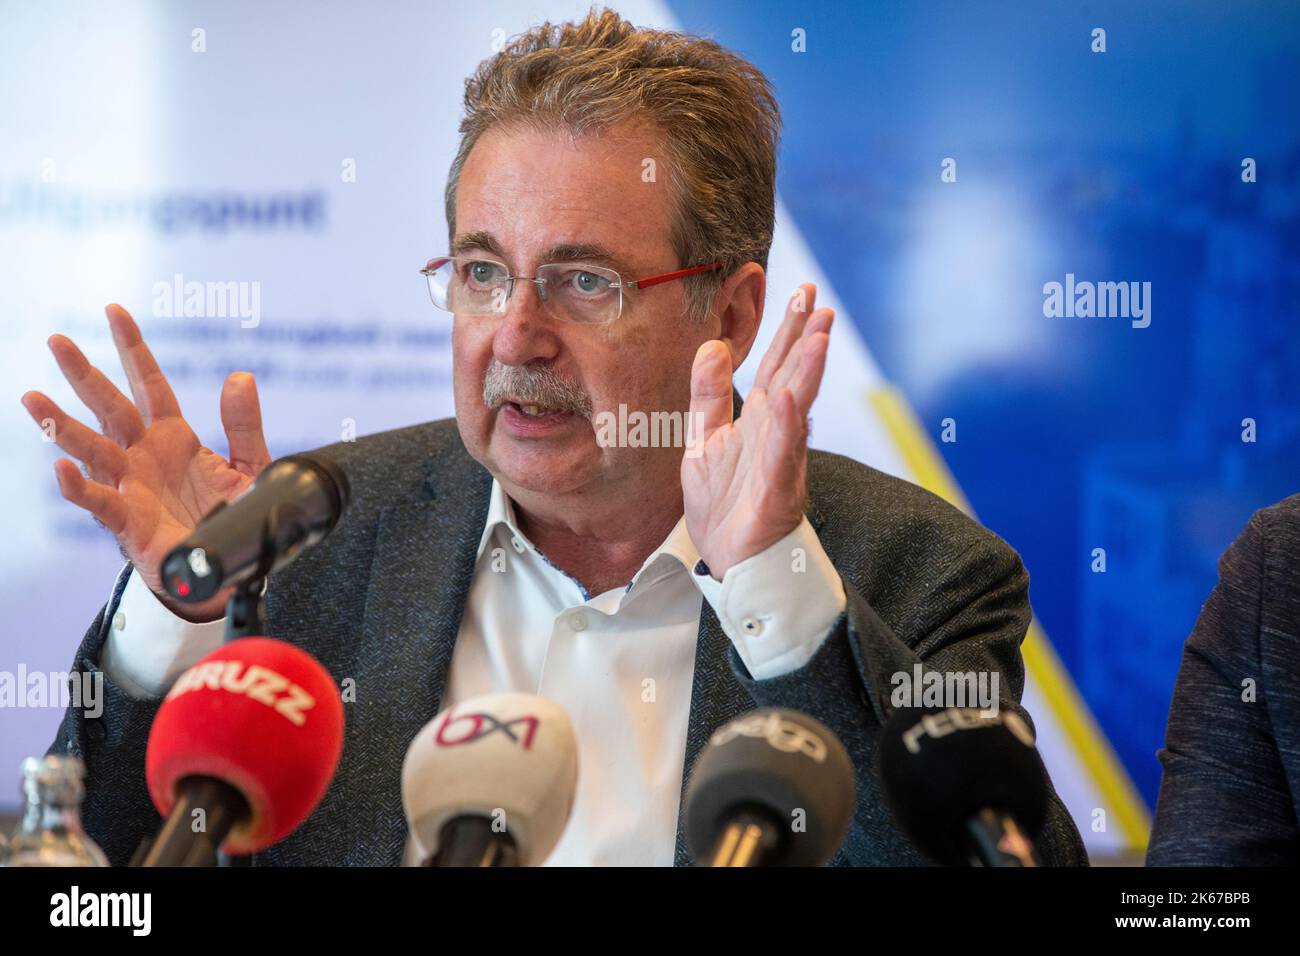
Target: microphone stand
244	615
246	618
995	839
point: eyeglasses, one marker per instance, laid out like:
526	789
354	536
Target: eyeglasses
575	292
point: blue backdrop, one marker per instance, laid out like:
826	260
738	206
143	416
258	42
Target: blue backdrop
1072	434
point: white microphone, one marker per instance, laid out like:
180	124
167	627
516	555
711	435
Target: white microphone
490	782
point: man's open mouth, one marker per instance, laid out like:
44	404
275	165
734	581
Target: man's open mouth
530	411
538	411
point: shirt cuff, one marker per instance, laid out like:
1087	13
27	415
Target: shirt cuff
778	606
148	646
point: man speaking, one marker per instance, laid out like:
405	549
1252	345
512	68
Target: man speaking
653	592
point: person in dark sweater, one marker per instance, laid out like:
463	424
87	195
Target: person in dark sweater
1231	759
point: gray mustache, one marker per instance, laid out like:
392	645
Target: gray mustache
533	386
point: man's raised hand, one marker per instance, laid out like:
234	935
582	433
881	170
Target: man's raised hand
744	490
148	478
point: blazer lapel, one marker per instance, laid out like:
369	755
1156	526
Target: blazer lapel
419	582
420	569
420	578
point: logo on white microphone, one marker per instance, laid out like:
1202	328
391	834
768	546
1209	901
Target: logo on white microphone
472	727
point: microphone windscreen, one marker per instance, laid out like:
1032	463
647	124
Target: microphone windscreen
332	478
511	758
784	763
294	503
941	767
260	715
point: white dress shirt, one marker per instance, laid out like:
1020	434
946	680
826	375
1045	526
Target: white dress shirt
621	663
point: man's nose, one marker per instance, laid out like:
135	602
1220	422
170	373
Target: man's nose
526	332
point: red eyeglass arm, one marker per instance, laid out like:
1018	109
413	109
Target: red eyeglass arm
670	276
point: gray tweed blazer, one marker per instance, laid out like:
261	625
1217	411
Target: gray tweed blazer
380	601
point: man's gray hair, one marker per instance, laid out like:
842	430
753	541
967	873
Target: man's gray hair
716	113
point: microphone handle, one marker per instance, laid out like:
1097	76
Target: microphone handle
177	844
471	841
995	839
748	840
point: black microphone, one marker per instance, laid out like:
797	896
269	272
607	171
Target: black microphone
772	788
966	786
295	502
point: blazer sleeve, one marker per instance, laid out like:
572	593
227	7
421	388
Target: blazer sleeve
116	811
1224	799
971	615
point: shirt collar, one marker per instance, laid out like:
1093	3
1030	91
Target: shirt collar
500	511
677	546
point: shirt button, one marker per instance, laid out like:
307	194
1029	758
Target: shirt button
578	621
517	544
119	621
753	626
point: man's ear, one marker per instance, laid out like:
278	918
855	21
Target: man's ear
739	310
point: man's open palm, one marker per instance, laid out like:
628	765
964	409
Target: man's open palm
148	478
745	489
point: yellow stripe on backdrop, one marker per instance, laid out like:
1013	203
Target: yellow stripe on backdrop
1069	709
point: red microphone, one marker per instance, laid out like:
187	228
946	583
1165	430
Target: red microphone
250	736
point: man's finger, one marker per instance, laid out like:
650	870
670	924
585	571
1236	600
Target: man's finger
785	440
797	311
808	379
103	456
711	404
119	419
785	375
153	396
241	416
100	500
